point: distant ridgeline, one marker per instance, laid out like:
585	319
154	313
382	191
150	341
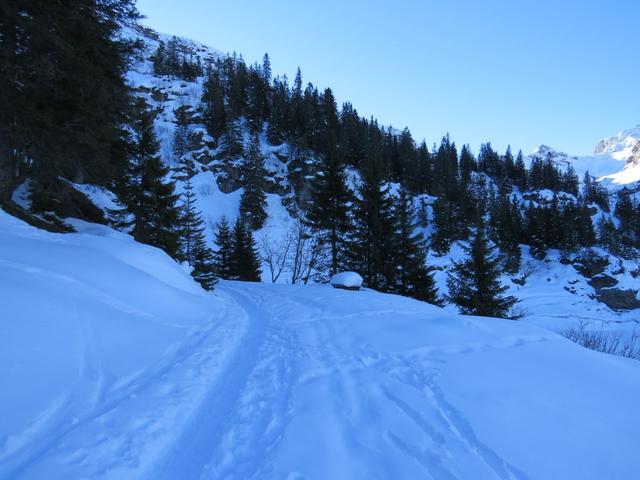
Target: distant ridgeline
364	194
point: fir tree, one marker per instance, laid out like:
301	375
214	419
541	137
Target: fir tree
204	270
253	202
194	249
520	172
371	249
245	257
150	208
180	142
223	256
328	216
54	122
474	284
413	277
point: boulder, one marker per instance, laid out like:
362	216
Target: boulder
346	281
590	266
603	281
617	299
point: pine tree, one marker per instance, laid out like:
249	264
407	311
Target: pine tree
625	211
474	284
194	249
370	246
54	123
180	142
253	202
413	277
204	270
520	172
150	208
223	257
328	216
245	257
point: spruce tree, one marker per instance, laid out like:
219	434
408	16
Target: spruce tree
223	256
474	284
180	142
204	270
253	202
150	209
194	249
413	277
328	215
370	246
54	122
245	257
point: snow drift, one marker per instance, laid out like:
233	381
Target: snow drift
115	364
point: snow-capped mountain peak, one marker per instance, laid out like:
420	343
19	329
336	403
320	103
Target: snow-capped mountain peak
616	160
624	146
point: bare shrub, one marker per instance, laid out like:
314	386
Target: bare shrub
613	343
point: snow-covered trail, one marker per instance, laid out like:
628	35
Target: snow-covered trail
316	407
116	365
345	385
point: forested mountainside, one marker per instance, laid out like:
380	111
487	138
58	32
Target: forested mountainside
241	173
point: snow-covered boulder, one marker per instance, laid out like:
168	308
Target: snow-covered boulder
347	281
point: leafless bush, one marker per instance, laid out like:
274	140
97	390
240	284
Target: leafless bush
306	255
614	343
298	252
276	255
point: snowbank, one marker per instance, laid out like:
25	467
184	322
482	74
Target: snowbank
92	330
348	280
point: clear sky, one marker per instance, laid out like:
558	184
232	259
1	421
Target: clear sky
565	73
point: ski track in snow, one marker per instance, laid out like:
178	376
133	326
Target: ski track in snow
287	389
113	434
245	427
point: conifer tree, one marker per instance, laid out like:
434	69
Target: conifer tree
625	211
413	277
245	257
253	202
204	270
223	256
194	249
449	223
54	123
507	224
370	247
474	284
520	172
180	142
328	215
150	208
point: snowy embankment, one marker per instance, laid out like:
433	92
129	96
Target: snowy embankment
114	364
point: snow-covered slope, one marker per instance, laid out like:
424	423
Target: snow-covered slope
615	162
102	345
114	364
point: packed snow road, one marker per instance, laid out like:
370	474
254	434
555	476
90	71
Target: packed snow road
363	385
115	365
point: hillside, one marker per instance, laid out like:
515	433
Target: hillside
276	381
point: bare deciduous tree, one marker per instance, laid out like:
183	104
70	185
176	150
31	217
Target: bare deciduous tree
276	255
306	254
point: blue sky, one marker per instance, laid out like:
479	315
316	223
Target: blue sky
564	73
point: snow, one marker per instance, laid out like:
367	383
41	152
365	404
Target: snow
347	280
116	365
21	195
616	160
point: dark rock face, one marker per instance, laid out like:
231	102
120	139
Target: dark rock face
342	287
617	299
603	281
590	266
